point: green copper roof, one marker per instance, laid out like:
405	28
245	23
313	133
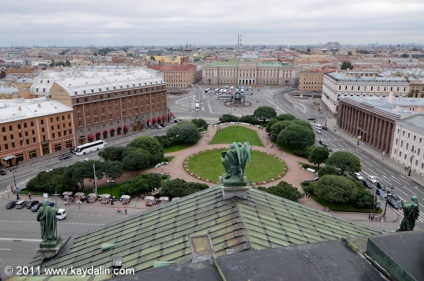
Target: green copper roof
222	64
273	64
162	233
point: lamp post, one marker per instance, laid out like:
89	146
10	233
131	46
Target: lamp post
16	188
410	164
111	181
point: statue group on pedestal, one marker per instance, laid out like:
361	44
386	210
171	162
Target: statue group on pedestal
234	160
410	214
48	223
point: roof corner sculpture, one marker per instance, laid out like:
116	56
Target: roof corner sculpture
410	214
234	161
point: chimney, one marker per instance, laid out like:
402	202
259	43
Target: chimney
39	105
19	108
391	98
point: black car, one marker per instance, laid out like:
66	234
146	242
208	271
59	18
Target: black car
366	184
2	173
31	204
36	207
311	119
324	128
395	204
381	186
11	204
65	156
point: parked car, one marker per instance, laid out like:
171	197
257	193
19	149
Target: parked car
372	179
3	173
395	204
366	184
21	203
65	156
31	204
395	196
157	126
324	128
381	186
311	119
358	176
381	192
377	205
11	204
36	207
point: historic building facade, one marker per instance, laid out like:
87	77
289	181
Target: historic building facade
417	88
109	102
250	73
31	128
408	145
177	76
311	80
369	120
356	84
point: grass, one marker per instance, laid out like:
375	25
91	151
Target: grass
176	147
208	165
236	134
106	190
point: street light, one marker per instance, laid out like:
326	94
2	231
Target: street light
410	164
16	188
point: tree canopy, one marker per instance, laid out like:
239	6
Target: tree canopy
345	162
285	117
328	170
296	137
228	118
183	132
277	127
318	155
265	113
136	160
151	146
335	189
346	65
181	188
200	123
284	190
142	184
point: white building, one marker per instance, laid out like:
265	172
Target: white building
408	143
250	73
355	83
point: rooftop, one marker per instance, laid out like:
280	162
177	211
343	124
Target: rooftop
261	221
94	80
19	109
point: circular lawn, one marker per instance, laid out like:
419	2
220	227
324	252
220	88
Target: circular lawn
207	166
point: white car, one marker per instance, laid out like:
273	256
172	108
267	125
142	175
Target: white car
372	179
358	176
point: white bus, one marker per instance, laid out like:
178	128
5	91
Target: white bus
89	147
224	97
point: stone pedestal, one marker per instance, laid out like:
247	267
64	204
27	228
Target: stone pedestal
233	180
50	249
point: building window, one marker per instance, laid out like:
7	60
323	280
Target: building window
42	122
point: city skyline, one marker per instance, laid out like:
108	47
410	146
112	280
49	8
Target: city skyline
167	23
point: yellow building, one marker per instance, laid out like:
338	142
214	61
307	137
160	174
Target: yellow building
170	59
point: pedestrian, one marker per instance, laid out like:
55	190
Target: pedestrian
119	210
29	195
126	211
135	204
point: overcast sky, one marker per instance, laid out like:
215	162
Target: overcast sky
216	22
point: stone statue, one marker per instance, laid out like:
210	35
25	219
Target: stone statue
48	223
410	214
234	160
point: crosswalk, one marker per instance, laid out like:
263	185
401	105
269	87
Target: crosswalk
400	214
